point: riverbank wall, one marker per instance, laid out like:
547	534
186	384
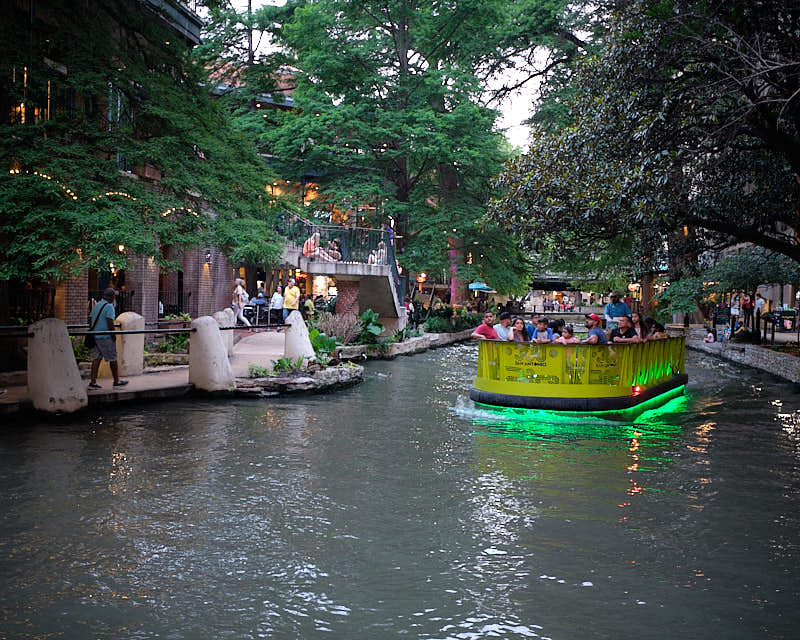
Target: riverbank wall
408	347
782	365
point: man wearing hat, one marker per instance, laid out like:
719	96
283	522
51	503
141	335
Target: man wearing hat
105	347
596	334
615	309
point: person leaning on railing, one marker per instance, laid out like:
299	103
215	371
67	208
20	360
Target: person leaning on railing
485	330
624	333
596	333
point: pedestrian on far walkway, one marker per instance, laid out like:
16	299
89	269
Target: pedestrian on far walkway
276	306
291	298
240	298
105	346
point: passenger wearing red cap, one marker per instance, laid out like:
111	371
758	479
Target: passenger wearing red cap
596	334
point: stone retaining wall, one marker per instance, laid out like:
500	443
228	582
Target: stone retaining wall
407	347
783	365
324	380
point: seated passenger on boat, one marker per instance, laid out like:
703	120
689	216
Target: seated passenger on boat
596	333
567	336
519	332
624	333
657	330
503	328
542	334
485	330
640	326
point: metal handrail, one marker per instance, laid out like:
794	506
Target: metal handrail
108	332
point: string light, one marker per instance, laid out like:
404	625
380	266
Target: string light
39	174
188	210
122	194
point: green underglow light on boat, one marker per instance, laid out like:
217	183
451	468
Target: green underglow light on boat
659	404
651	424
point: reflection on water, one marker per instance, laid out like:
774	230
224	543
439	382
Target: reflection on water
398	508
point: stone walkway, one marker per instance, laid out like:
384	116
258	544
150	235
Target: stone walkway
162	382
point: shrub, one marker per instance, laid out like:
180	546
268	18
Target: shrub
323	346
371	327
173	343
345	327
81	351
287	364
405	334
467	321
437	324
256	371
442	311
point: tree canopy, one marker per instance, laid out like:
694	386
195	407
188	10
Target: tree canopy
392	114
111	95
681	134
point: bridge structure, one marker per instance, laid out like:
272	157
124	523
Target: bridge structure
361	260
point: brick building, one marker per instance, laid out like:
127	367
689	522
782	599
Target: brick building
203	282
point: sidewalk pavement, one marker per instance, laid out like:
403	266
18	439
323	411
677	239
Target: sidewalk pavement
160	382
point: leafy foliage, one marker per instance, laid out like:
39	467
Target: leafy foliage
257	371
390	113
371	327
130	102
323	345
287	365
681	135
438	324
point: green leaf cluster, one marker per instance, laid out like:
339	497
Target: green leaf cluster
678	137
127	100
391	114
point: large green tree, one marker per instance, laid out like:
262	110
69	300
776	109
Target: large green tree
391	111
681	133
102	94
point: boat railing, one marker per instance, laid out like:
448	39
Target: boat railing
613	369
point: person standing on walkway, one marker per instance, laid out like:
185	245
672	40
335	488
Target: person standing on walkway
105	346
291	298
615	309
276	305
240	299
308	307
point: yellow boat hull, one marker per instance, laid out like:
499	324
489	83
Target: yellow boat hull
582	378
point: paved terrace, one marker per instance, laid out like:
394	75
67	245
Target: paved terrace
163	382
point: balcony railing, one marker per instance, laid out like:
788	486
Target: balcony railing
336	243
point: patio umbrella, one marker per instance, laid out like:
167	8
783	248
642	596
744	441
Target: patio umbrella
479	286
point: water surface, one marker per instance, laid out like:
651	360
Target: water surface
395	509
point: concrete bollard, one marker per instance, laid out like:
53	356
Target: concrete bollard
130	348
54	382
296	341
227	336
209	367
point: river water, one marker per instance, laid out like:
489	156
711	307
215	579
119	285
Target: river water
395	509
